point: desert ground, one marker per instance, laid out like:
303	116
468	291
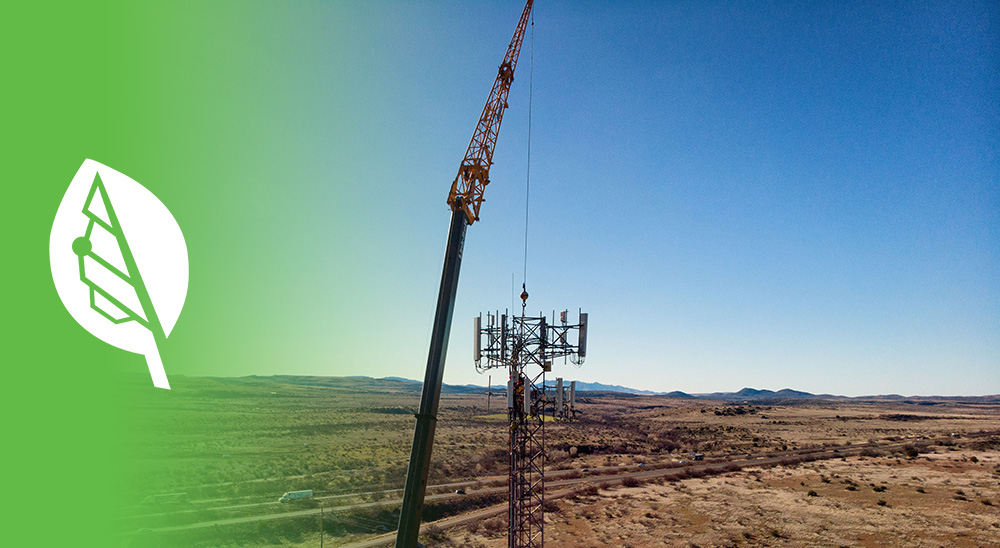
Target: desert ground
937	499
842	472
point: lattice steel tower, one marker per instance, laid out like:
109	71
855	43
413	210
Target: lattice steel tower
519	343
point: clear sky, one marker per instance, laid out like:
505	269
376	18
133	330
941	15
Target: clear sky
788	194
799	194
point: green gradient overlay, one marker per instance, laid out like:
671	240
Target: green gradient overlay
206	107
771	196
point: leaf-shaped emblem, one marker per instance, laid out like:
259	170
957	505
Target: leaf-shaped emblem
119	262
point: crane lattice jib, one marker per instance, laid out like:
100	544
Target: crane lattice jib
474	173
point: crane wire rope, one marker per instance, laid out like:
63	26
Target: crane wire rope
527	175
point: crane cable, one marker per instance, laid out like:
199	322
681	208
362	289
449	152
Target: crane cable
527	176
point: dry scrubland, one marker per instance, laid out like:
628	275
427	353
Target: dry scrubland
236	444
935	500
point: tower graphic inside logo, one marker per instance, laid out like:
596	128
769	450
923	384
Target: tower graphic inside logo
119	262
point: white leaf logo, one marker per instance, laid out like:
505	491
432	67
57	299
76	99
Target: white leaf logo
119	262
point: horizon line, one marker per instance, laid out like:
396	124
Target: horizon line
636	391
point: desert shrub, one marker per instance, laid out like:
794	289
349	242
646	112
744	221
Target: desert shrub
437	510
879	488
851	488
921	490
993	442
557	455
491	461
434	532
882	503
666	446
495	525
630	481
812	493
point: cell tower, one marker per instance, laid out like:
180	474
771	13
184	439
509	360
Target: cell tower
519	343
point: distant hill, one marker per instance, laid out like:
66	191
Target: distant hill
787	394
399	379
403	385
601	387
753	394
580	387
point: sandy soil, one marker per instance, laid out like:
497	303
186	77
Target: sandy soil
949	498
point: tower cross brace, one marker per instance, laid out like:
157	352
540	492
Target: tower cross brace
526	347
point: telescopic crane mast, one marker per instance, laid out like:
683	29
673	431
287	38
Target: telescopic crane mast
465	199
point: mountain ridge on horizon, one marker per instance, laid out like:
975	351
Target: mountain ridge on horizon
744	394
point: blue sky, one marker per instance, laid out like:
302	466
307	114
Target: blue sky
775	195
